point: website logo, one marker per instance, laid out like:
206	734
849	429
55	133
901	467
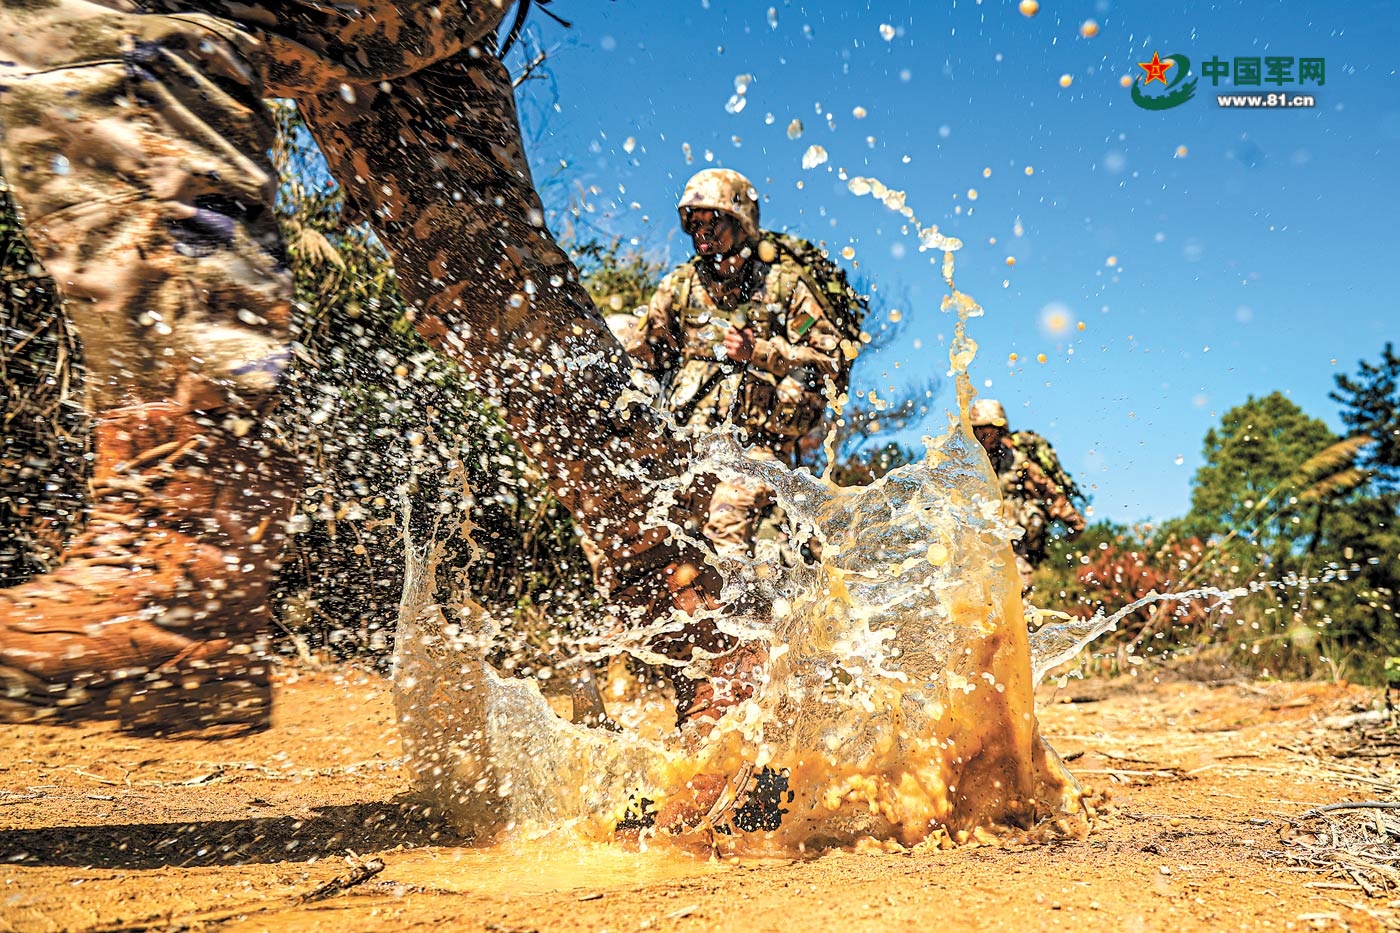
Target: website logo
1243	72
1156	70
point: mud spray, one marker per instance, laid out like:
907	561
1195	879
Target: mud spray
897	694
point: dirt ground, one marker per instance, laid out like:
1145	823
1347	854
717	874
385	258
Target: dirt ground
1201	792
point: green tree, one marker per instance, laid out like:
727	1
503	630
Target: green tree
1251	479
618	275
1371	406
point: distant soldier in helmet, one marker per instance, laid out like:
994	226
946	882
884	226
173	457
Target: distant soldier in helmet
739	332
1035	489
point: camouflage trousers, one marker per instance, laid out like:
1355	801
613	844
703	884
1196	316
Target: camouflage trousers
137	153
136	147
737	506
1029	548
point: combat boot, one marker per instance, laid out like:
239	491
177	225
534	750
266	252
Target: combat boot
158	612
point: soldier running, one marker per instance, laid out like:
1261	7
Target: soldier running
737	333
133	136
1035	490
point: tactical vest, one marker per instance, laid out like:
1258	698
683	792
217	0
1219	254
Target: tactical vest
709	387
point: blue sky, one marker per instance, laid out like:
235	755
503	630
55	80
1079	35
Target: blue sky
1210	253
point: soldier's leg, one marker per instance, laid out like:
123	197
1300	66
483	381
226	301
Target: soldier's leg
736	507
145	189
434	161
1026	570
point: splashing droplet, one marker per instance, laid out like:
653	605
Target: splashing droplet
814	156
794	129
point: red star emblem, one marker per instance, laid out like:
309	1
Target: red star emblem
1156	69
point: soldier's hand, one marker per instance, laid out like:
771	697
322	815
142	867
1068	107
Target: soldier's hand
739	344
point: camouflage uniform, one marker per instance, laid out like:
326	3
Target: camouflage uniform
777	397
1031	499
135	141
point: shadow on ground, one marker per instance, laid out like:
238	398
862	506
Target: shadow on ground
370	827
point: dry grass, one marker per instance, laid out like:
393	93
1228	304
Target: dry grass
43	423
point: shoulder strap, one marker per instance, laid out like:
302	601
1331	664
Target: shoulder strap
793	271
685	278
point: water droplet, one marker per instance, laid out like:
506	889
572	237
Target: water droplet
794	129
886	32
814	156
629	144
858	113
1029	7
1088	29
1066	80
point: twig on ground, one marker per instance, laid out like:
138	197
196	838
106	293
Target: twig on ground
360	872
1359	805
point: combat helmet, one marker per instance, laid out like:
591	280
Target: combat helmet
987	412
725	190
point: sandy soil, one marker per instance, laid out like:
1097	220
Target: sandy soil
1198	790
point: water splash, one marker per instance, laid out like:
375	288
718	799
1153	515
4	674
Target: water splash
1059	642
896	692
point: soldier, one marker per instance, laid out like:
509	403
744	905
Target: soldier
1035	490
737	333
134	139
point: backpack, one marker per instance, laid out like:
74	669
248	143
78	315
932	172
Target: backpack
845	307
1040	452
